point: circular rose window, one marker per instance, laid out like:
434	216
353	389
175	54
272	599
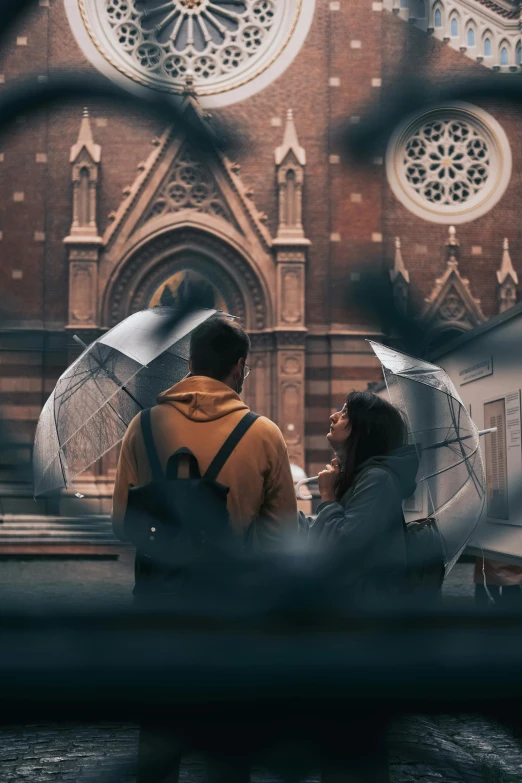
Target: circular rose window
230	48
449	165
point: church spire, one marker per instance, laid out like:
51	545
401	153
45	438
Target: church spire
290	143
399	270
507	280
400	279
86	141
452	247
290	159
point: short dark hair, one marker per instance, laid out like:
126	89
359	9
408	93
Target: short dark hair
216	346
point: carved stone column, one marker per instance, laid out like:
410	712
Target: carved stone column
290	248
507	281
290	396
290	348
83	243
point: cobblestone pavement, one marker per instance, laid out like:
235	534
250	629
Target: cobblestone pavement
422	750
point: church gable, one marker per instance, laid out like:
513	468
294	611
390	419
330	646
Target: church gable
451	301
189	185
175	179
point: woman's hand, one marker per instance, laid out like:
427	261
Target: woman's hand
327	481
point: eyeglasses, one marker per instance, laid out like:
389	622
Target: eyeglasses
248	370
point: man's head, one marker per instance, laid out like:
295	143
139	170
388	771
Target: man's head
219	349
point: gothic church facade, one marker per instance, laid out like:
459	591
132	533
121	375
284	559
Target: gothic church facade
104	211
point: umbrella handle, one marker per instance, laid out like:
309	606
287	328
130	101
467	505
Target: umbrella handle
80	342
300	484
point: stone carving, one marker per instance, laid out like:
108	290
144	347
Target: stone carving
290	160
291	364
133	284
291	295
189	186
295	339
82	294
174	38
451	299
289	256
507	281
452	308
400	280
83	243
291	410
450	164
85	160
447	161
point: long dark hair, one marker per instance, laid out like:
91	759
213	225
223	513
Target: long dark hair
377	428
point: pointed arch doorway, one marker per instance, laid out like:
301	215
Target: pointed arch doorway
157	271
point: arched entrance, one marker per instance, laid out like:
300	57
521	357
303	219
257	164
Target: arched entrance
146	268
154	272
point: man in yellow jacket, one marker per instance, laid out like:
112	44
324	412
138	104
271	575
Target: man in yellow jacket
199	413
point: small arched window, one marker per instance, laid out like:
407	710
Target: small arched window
487	47
438	18
471	37
84	211
519	54
291	201
421	9
454	28
503	56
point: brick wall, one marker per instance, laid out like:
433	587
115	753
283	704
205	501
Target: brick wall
354	53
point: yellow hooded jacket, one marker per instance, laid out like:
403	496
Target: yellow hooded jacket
199	413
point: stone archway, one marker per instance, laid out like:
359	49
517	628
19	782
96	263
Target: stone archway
139	275
187	249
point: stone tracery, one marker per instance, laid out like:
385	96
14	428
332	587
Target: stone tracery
208	38
189	186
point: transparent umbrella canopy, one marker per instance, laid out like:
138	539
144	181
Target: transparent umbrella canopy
97	397
451	482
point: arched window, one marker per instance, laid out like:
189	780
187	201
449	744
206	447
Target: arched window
291	211
487	47
471	37
421	9
454	28
503	56
519	54
83	200
438	18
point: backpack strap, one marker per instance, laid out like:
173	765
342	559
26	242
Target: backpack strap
152	454
176	460
229	445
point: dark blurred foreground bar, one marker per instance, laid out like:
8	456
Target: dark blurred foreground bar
125	666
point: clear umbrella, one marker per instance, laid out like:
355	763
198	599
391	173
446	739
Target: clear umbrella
451	484
96	398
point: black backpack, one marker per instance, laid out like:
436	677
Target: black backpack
178	523
425	569
424	556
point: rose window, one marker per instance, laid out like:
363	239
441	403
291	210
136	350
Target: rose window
221	43
450	165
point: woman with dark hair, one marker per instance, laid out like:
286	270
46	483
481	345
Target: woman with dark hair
360	518
360	522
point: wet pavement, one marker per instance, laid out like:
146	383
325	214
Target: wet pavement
422	749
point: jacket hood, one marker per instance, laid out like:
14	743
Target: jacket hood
403	463
202	399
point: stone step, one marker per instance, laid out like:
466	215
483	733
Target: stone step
33	533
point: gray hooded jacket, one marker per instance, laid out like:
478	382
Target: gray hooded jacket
366	529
